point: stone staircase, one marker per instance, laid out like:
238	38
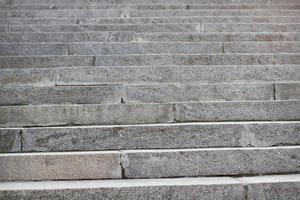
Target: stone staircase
150	99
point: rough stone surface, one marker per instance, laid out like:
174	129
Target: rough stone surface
286	91
89	114
144	48
145	189
10	140
45	61
194	135
238	111
29	77
273	187
7	49
175	74
133	93
204	162
57	166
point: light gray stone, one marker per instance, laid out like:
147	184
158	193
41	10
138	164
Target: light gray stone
36	21
32	77
144	48
58	166
273	187
287	58
210	162
176	74
58	95
134	137
106	27
237	111
145	189
190	19
10	140
286	91
246	27
45	61
7	49
200	59
3	28
262	47
90	114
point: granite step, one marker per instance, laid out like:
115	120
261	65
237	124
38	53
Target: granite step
217	188
160	93
150	136
150	163
151	20
63	37
9	2
145	75
170	27
138	113
160	6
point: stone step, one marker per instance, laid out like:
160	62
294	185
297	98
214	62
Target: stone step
149	163
217	188
104	75
196	28
136	48
117	114
152	136
144	93
151	20
120	13
12	2
148	60
161	93
210	162
62	37
60	166
147	6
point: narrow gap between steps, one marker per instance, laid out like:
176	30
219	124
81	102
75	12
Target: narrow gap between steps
245	192
274	91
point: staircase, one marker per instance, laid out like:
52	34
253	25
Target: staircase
150	99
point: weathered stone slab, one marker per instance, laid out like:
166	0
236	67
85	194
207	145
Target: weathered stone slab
164	136
286	91
246	27
48	115
68	37
36	21
262	47
133	137
237	111
273	187
10	140
210	162
273	133
287	58
3	28
191	19
32	77
107	27
58	95
144	48
200	59
45	61
144	189
8	49
176	74
58	166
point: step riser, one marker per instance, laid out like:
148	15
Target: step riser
262	187
160	28
145	37
155	20
60	166
168	163
170	136
147	7
148	75
14	116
